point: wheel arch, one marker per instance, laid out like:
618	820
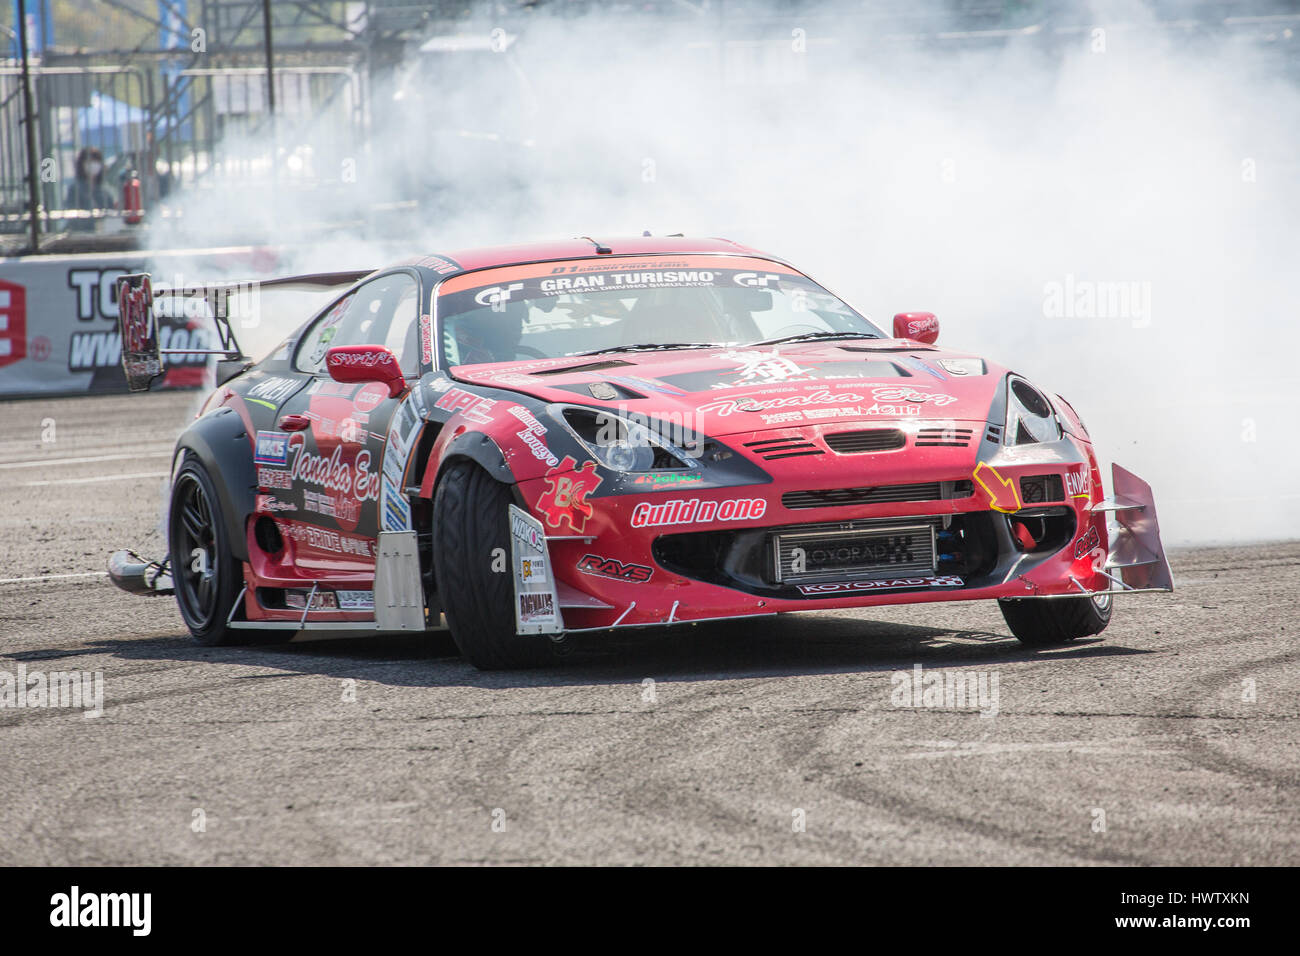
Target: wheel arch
221	443
476	446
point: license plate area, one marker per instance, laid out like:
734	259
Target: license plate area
801	557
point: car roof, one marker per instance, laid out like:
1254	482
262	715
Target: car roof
467	260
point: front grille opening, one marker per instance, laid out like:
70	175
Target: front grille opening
964	544
874	439
1044	533
1037	489
267	536
696	554
772	449
295	599
878	494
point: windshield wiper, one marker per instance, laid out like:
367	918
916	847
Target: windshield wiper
651	347
803	336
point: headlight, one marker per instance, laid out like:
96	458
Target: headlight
619	443
1030	416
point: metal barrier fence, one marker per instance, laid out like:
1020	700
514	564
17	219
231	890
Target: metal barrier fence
160	131
317	124
76	109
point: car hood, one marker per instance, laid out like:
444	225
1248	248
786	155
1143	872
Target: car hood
743	389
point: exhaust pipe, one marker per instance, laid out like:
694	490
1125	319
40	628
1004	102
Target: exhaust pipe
135	575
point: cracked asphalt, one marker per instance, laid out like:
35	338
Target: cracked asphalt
1170	739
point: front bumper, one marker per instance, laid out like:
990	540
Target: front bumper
641	560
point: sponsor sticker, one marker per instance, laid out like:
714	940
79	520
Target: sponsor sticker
564	501
320	601
884	584
648	514
273	390
343	510
1076	483
394	507
272	503
822	396
666	480
917	327
910	393
274	478
472	407
324	539
272	448
356	600
332	389
369	397
758	367
533	435
611	568
1088	541
533	570
537	608
781	417
333	473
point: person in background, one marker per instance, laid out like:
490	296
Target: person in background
86	191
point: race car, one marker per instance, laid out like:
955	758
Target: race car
525	442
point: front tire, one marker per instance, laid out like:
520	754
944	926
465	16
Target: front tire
204	571
1045	622
470	522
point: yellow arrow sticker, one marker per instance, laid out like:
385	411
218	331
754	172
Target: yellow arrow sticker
1003	494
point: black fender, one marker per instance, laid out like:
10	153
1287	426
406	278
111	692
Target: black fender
220	442
479	448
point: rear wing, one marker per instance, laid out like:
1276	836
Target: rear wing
142	354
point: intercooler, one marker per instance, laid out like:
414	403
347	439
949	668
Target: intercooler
844	554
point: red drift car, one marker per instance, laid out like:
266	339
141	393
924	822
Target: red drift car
531	441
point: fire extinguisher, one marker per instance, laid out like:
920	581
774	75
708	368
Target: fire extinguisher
132	204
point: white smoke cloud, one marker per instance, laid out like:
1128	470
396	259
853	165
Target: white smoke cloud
998	186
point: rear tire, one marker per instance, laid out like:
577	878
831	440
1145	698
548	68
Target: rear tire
205	573
470	522
1043	623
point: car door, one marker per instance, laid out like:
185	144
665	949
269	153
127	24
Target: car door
336	432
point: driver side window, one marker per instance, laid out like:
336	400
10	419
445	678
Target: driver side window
381	312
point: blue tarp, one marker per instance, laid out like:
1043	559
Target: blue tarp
106	122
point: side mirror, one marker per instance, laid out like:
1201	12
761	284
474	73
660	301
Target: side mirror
920	326
141	352
366	363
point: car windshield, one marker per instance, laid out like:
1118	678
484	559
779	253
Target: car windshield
554	309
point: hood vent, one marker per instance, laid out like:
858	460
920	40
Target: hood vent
875	439
601	391
943	437
915	347
771	449
588	367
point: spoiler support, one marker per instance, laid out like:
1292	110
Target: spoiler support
142	354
